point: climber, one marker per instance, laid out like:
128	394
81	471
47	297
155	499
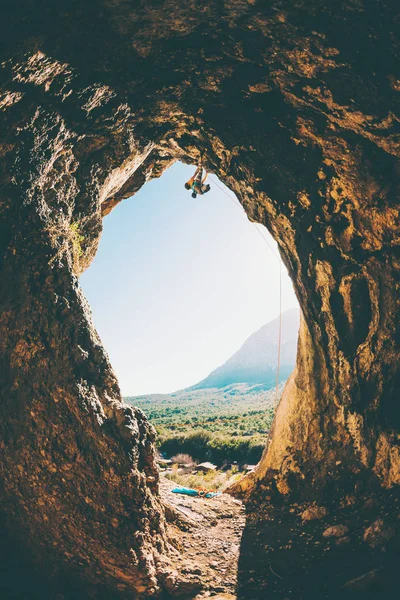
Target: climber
196	183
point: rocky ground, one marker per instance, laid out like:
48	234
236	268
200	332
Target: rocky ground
287	550
322	551
206	535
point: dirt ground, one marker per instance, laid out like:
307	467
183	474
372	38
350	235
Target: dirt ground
299	552
206	535
283	551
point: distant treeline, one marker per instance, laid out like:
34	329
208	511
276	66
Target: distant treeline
219	449
220	425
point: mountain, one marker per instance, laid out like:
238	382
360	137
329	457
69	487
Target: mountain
256	361
238	394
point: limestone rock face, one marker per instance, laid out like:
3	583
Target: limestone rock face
294	105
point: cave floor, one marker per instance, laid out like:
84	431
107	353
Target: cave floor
284	556
266	550
206	536
224	550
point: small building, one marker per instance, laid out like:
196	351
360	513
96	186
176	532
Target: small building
205	467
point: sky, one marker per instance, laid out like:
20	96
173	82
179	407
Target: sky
178	284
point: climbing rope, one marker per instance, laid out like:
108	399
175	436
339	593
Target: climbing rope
241	209
277	255
278	366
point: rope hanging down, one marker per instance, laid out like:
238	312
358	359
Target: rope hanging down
277	255
278	366
241	208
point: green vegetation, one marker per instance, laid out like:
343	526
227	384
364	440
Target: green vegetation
221	425
203	445
77	238
213	481
66	239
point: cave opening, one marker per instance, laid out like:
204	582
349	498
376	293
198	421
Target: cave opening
295	105
186	295
191	318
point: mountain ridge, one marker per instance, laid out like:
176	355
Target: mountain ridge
256	360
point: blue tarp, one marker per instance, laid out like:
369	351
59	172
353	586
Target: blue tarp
190	492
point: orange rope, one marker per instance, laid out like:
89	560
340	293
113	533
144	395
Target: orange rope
242	209
278	366
204	491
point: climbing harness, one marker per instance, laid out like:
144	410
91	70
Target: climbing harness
200	492
278	257
197	183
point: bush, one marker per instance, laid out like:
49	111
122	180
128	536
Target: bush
213	481
182	459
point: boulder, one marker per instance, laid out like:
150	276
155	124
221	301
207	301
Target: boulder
378	534
364	582
336	531
313	513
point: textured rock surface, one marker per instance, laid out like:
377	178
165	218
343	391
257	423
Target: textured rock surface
379	534
206	536
336	531
294	104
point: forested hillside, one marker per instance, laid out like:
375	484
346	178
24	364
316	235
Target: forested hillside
227	416
222	425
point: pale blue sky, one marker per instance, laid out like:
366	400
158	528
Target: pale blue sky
178	284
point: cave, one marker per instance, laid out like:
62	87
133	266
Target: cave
293	104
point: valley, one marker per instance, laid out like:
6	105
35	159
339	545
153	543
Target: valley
222	425
227	416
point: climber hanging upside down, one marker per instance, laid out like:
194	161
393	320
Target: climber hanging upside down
196	183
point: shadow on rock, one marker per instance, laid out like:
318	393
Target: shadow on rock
308	551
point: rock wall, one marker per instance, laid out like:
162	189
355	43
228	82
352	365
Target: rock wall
294	105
